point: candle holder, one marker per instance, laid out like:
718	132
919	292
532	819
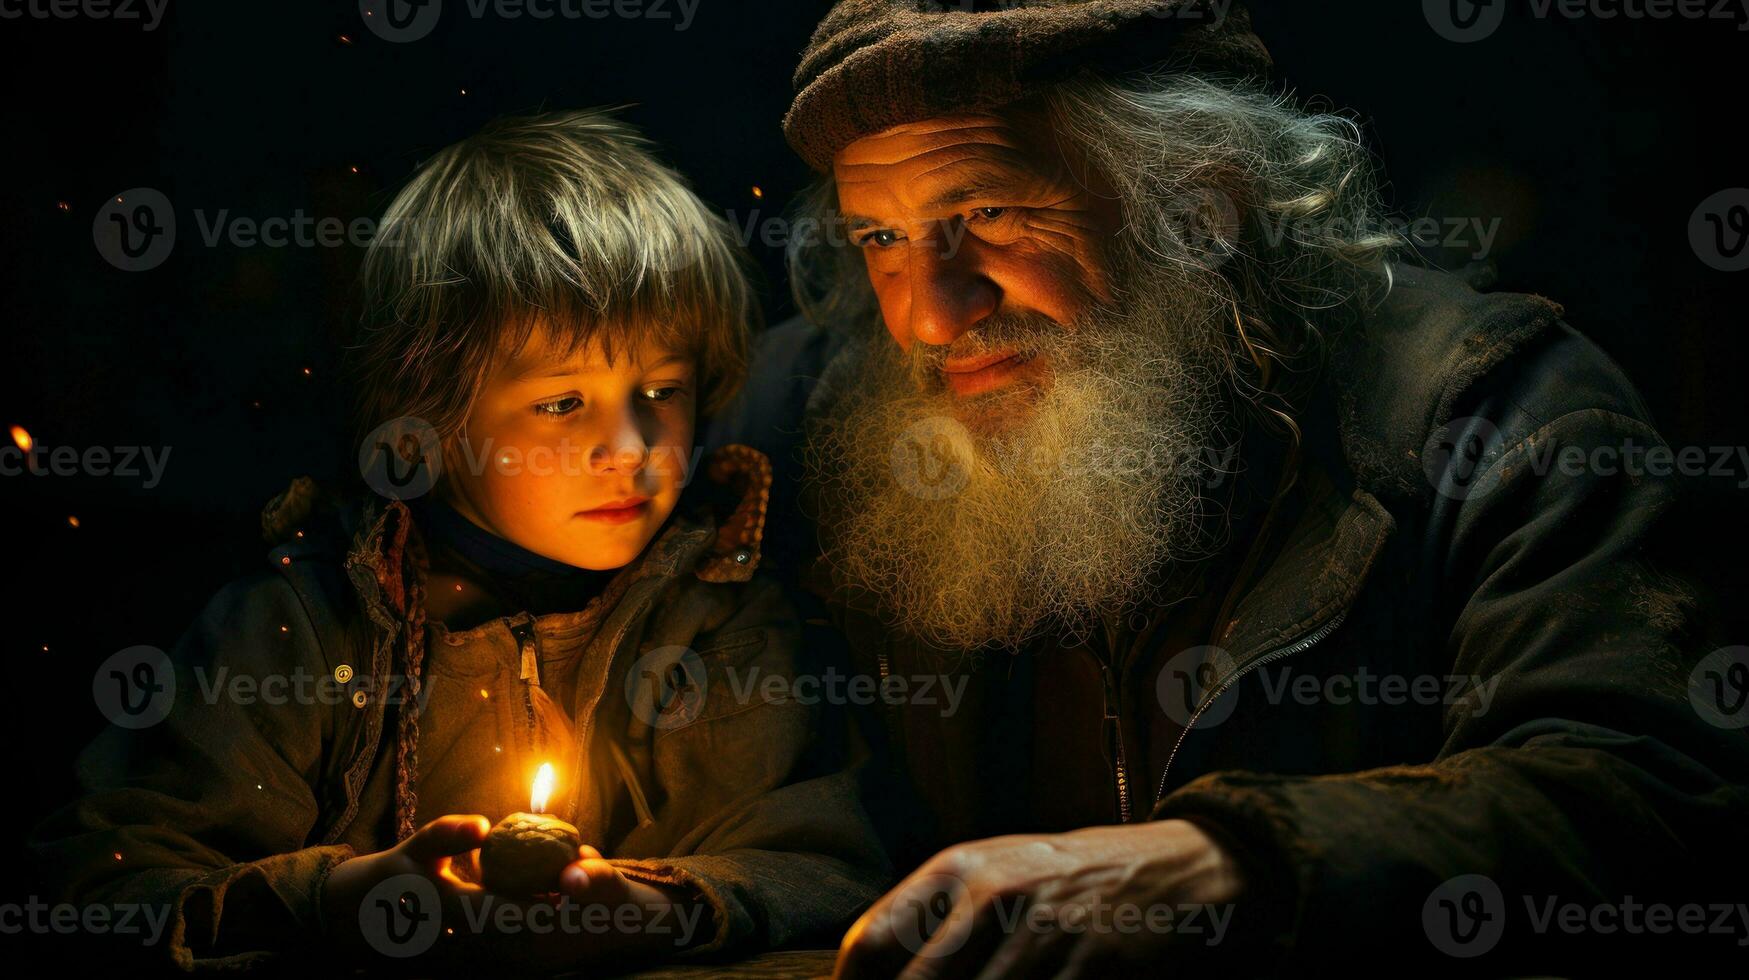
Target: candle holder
525	852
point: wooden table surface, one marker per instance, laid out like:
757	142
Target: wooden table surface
803	964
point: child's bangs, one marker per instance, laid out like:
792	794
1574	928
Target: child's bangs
658	288
643	262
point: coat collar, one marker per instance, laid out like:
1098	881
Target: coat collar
1320	566
716	532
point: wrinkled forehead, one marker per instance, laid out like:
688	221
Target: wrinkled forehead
946	161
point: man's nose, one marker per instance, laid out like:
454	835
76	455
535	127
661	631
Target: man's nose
949	293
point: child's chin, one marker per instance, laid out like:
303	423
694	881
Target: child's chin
604	551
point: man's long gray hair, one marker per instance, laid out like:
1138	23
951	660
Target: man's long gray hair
1252	233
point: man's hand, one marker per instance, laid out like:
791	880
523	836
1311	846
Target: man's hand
1080	903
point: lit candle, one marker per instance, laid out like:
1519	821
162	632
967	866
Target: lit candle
525	852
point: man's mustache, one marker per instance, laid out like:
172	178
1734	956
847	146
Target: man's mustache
1024	333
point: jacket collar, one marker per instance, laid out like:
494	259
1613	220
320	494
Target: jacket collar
716	532
1401	376
1324	559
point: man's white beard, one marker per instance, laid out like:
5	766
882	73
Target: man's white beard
993	519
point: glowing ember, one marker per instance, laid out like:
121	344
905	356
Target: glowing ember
21	438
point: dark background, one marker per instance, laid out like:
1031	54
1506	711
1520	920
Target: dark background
1592	140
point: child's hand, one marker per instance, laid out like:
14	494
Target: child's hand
635	920
430	853
591	880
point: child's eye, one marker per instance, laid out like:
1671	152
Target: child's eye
662	393
559	407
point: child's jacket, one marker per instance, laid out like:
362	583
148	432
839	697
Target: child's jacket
684	753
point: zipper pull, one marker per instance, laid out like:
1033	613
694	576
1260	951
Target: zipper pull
525	641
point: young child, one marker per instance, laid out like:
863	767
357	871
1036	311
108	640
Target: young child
537	581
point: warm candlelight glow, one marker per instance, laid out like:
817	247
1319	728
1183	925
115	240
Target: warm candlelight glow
543	788
21	438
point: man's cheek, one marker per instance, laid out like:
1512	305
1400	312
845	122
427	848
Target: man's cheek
1047	278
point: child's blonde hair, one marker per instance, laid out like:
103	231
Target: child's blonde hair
562	219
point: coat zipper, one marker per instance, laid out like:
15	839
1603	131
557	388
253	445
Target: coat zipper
1115	726
1298	646
528	646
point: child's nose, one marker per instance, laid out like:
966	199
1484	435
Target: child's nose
622	451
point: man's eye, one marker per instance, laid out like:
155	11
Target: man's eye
882	239
990	214
559	407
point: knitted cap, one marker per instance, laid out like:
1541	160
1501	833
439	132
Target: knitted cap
875	64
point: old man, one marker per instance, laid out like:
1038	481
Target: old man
1284	635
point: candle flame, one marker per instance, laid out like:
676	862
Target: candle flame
543	788
21	438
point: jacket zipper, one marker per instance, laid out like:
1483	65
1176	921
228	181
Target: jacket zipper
1111	720
1298	646
1116	728
527	645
